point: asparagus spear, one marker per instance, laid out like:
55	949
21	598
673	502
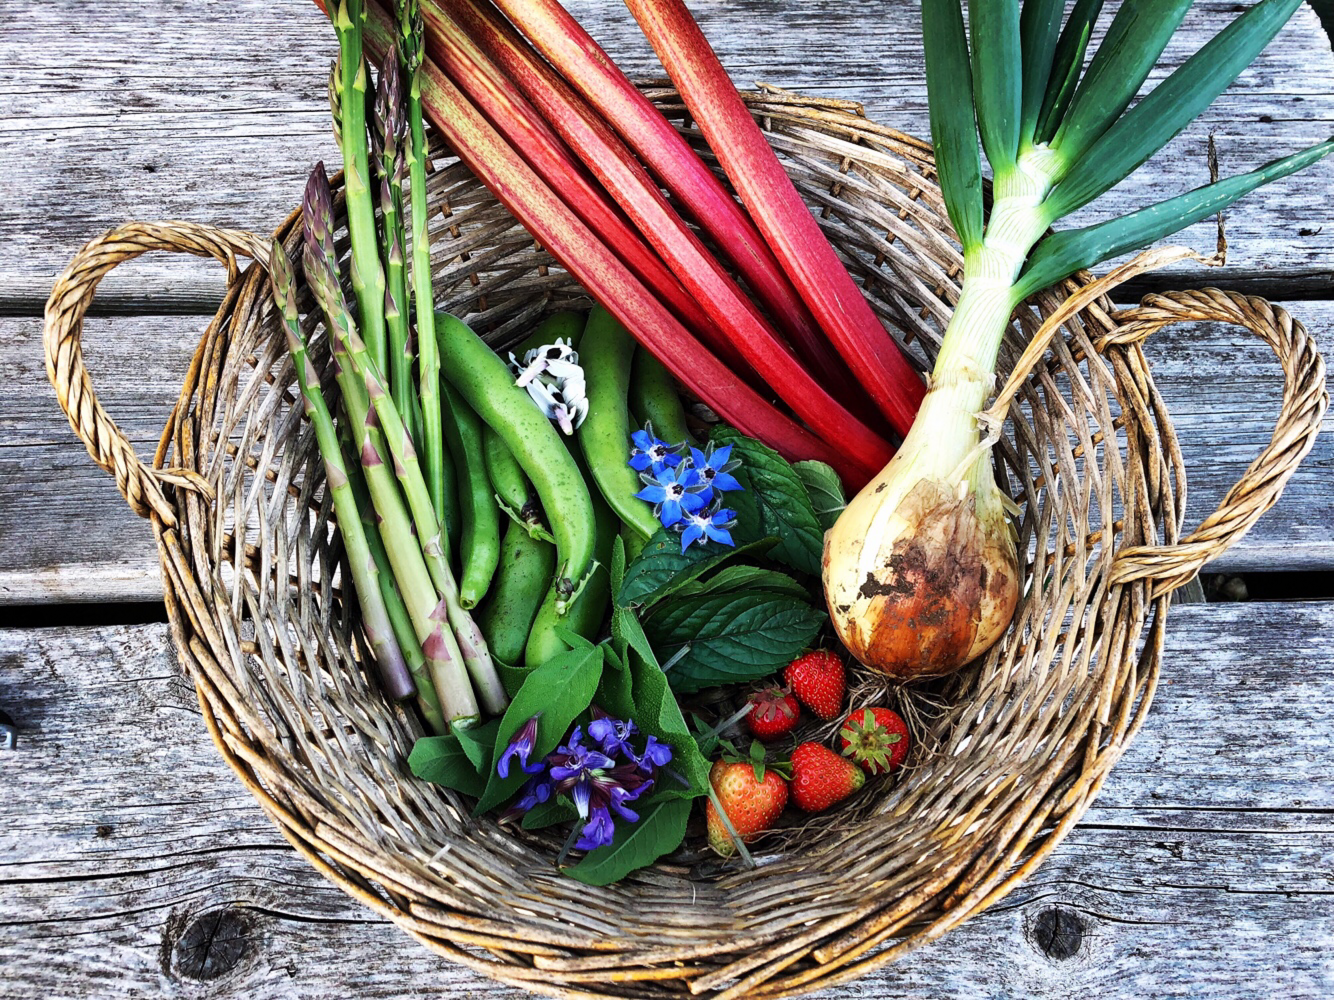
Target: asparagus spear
429	612
412	53
399	619
389	657
368	284
390	166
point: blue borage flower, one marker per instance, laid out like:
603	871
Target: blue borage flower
673	493
651	453
601	779
711	526
684	489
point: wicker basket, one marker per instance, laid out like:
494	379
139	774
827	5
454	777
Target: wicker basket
1012	750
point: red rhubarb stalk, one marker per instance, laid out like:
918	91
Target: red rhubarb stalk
704	278
787	224
574	53
524	129
601	272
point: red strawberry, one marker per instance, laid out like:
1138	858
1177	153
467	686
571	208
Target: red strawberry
775	714
752	804
818	682
875	738
821	777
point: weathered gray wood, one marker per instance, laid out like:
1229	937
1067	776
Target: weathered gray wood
66	535
1204	870
175	112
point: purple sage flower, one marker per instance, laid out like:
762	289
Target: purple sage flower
521	746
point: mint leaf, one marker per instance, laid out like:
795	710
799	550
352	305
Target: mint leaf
731	637
662	568
441	760
557	692
824	488
478	742
785	509
735	578
660	830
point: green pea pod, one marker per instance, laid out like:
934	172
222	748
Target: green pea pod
480	550
654	399
487	383
507	479
522	581
451	514
605	351
589	609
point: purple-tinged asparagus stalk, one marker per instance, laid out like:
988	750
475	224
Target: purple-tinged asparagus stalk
390	662
391	131
399	619
412	53
407	559
384	416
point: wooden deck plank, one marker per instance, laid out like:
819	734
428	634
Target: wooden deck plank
171	117
1208	858
66	535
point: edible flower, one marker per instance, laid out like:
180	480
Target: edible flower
709	526
671	493
521	746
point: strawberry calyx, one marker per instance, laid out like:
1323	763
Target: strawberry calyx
869	743
758	758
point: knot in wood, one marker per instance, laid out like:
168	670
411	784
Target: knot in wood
1057	933
212	945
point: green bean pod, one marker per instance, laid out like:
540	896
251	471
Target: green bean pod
589	609
605	351
480	548
507	478
522	581
487	383
654	399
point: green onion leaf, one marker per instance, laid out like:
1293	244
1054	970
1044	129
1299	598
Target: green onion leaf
1136	38
949	92
1169	107
1039	28
997	79
1064	253
1066	66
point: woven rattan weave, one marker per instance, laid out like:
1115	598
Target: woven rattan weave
1011	751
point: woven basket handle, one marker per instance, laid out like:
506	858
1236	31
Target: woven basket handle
139	483
1299	419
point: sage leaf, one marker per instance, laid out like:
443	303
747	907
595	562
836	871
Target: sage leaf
660	830
556	692
442	761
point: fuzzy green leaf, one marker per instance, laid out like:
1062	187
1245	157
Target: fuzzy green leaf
1169	107
824	488
478	742
730	637
658	714
1135	39
660	830
557	692
997	79
549	813
949	92
442	760
1067	64
1063	253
